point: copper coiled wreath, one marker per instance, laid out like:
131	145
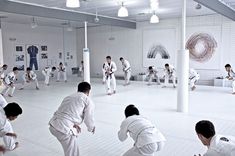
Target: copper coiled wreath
201	47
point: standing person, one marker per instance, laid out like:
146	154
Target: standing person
28	77
61	70
66	121
81	69
231	76
148	139
33	51
126	67
2	72
193	77
152	74
9	113
109	68
9	82
169	73
48	72
218	145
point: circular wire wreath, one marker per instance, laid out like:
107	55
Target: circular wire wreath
201	47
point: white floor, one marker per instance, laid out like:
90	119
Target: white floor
154	102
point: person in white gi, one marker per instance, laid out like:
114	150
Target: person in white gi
218	145
151	75
61	70
2	73
48	72
3	101
126	67
9	81
109	68
148	139
169	73
193	77
66	121
28	77
231	76
81	69
9	113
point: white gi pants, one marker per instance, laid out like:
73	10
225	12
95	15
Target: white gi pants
193	80
61	73
167	77
127	76
47	77
7	88
68	142
110	83
233	85
147	150
150	78
36	82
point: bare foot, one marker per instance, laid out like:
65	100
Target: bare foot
21	88
193	88
10	95
37	88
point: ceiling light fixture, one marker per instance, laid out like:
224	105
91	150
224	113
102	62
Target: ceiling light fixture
33	23
73	3
123	12
154	4
96	16
154	18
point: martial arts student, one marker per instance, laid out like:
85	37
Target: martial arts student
148	139
152	74
231	76
9	82
48	72
109	68
126	67
193	77
218	145
169	73
61	70
2	73
29	77
9	113
3	101
66	121
81	69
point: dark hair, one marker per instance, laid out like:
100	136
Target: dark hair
150	67
121	58
53	68
15	69
82	62
108	57
205	128
227	66
28	69
60	63
12	109
166	65
131	110
4	66
84	87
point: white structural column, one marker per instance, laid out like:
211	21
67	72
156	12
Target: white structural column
183	68
86	58
1	46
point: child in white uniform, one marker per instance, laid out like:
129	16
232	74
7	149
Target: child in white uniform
28	77
231	76
193	77
48	72
126	67
169	73
61	70
152	74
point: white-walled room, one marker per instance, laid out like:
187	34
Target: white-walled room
117	78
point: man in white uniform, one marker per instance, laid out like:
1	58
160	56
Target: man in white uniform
2	73
148	139
66	122
28	77
193	77
48	72
151	75
61	71
218	145
9	113
9	82
109	68
169	73
231	76
126	67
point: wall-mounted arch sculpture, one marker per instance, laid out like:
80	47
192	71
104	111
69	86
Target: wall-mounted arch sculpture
156	49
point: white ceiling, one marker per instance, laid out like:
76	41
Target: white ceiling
139	10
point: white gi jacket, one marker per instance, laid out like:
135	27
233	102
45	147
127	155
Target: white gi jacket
30	76
47	71
109	69
10	78
74	109
3	101
221	146
231	74
193	74
170	72
126	66
61	69
141	130
2	73
5	127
